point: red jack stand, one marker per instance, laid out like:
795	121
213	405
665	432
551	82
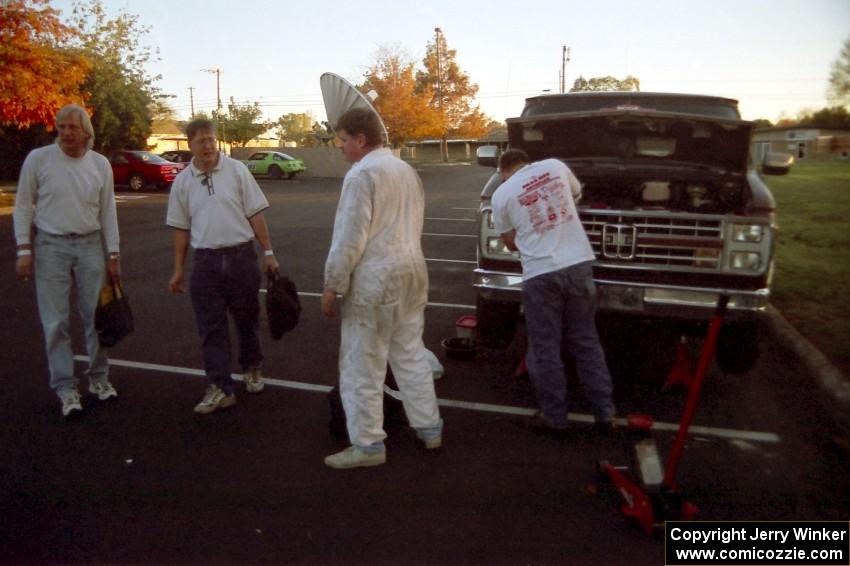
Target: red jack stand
656	497
681	370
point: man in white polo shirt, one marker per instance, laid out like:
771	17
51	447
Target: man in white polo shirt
66	192
534	210
217	207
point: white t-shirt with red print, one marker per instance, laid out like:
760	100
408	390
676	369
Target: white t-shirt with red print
538	202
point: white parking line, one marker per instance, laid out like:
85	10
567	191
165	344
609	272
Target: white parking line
123	198
451	235
453	219
444	305
470	406
450	260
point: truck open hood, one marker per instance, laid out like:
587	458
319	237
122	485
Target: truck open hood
635	136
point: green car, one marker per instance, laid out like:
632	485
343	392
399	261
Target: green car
274	164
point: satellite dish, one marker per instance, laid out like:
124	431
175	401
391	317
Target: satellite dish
340	96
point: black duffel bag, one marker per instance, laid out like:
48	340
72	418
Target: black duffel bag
283	308
113	319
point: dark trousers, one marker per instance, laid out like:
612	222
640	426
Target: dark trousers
561	305
227	280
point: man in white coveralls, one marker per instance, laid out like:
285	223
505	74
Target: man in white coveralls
376	263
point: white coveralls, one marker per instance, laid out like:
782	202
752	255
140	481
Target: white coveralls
376	263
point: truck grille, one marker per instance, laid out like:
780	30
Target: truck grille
663	240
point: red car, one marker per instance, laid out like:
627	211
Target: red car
138	169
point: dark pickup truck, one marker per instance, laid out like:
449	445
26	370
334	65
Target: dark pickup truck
674	211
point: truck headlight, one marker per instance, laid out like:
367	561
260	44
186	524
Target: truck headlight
747	232
745	261
489	217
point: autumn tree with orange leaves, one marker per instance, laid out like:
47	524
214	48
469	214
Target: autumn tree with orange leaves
452	92
39	73
406	114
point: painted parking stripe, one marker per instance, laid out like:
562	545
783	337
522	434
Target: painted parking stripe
733	434
444	305
451	235
451	260
123	198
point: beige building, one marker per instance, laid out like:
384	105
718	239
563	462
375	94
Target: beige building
803	142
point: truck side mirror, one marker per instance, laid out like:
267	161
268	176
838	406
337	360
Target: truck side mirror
488	155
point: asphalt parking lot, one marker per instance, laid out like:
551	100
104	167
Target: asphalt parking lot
145	480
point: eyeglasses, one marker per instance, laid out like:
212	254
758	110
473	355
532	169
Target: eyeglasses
207	181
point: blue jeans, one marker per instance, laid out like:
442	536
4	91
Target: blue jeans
59	261
561	306
227	280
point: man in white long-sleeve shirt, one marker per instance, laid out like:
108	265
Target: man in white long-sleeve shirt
66	192
376	263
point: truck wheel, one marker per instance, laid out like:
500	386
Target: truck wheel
274	172
136	182
497	322
738	347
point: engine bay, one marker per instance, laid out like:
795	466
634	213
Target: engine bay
705	196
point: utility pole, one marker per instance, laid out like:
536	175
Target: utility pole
192	101
565	58
217	72
444	146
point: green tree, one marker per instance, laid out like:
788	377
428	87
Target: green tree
836	117
241	123
295	127
762	123
408	115
609	83
160	109
839	78
121	92
322	135
452	92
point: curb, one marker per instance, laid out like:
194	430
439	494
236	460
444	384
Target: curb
833	386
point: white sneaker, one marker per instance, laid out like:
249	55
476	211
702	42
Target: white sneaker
353	457
214	398
433	443
253	379
104	390
70	402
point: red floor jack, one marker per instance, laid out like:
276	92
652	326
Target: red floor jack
656	497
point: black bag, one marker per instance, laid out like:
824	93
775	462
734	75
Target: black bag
283	308
113	319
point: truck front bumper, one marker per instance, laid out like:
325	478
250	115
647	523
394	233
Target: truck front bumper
640	299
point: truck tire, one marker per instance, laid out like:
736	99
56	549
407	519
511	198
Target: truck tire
738	347
497	321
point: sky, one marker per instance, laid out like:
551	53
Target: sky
773	56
